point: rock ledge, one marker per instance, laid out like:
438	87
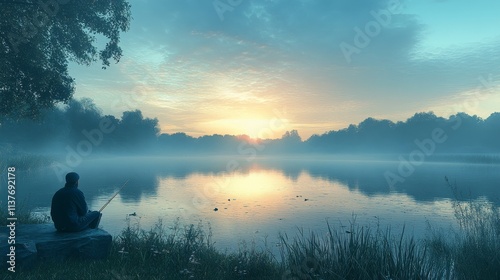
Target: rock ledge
36	242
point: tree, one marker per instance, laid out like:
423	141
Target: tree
39	38
135	131
291	137
81	114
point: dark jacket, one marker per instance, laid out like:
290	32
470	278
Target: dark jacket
68	207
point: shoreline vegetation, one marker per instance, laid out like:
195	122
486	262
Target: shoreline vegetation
79	129
470	251
25	161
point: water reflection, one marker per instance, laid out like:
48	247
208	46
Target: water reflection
264	196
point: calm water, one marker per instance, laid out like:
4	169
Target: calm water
265	196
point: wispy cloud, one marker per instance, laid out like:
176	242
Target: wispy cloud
188	65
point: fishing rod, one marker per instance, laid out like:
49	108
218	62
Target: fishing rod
104	206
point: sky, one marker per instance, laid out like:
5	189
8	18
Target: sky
264	67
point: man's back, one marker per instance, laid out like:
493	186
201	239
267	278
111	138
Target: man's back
68	204
69	210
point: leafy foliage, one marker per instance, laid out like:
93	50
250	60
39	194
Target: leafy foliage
39	38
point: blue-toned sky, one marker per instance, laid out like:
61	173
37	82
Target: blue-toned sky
235	66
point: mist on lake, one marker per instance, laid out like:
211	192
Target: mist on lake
378	172
256	199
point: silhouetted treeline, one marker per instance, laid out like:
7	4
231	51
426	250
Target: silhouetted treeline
460	133
80	127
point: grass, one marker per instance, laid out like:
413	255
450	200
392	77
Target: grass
24	161
471	251
23	214
175	252
357	253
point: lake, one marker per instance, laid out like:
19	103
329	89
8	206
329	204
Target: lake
258	198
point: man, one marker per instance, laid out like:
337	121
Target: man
69	209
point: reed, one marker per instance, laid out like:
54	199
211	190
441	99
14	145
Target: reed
356	253
24	161
174	252
471	251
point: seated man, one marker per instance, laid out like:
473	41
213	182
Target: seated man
69	209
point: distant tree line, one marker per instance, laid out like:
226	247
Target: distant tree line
460	133
81	126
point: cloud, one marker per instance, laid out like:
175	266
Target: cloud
190	64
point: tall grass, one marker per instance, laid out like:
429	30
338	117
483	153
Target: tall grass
477	250
471	251
187	251
357	253
24	161
24	214
175	252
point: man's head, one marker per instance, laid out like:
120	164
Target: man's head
72	179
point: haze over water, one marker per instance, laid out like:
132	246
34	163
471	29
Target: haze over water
267	195
258	119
